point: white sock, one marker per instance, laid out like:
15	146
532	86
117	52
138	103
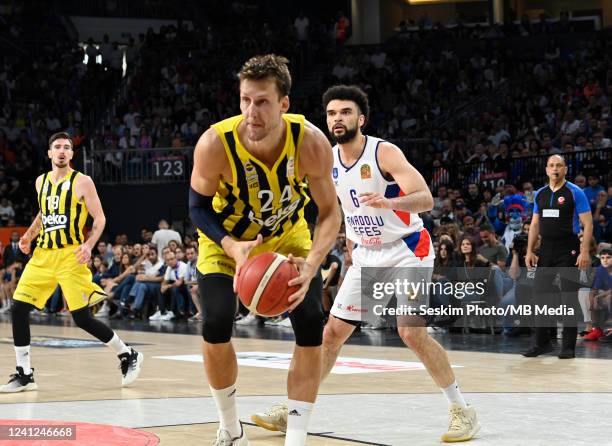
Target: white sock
298	417
453	395
22	355
118	345
225	399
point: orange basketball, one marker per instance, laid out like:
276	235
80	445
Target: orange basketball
262	284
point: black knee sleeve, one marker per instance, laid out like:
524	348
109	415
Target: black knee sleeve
307	318
219	304
20	317
85	321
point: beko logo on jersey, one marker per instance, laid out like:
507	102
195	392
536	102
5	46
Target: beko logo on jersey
53	222
273	221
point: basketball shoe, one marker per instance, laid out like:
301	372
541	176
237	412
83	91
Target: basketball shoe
463	424
224	438
130	366
275	419
19	382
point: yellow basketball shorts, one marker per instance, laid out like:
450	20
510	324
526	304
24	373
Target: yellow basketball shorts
213	259
51	267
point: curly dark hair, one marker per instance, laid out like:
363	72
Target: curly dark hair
348	93
268	65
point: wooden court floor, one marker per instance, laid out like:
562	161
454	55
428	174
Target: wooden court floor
171	398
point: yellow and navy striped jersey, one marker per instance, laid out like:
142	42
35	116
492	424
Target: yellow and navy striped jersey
63	215
260	200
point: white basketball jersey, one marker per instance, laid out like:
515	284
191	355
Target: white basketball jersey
366	225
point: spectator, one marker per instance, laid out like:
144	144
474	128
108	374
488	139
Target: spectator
164	235
592	190
6	211
147	285
173	288
301	25
12	253
191	254
492	250
600	298
473	268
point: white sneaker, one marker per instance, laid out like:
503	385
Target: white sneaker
130	366
19	382
5	309
249	319
157	316
225	439
379	324
463	424
275	419
104	311
285	323
273	321
167	317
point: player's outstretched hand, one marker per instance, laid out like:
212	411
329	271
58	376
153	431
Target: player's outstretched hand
307	272
83	253
239	251
24	245
374	200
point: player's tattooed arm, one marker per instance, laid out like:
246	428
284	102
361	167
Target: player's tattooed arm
34	229
28	236
416	194
86	189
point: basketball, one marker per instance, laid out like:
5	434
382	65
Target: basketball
262	284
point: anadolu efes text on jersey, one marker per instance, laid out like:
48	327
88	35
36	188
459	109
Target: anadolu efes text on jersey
366	225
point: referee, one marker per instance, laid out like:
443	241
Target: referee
559	209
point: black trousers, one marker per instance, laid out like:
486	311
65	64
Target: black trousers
557	257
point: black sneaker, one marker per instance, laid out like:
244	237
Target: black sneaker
19	382
567	353
537	351
515	332
130	366
607	337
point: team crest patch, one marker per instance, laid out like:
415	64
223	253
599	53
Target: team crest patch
561	200
365	171
335	173
66	185
291	167
251	175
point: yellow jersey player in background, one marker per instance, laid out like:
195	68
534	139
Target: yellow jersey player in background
247	196
66	198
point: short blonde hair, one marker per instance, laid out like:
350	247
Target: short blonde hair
268	66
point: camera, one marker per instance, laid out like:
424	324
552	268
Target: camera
519	243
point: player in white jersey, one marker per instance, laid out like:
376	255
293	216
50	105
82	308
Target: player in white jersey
381	195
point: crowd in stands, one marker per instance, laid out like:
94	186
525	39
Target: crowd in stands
184	78
483	108
44	87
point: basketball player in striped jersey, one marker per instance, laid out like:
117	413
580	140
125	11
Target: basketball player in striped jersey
381	195
65	197
248	192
